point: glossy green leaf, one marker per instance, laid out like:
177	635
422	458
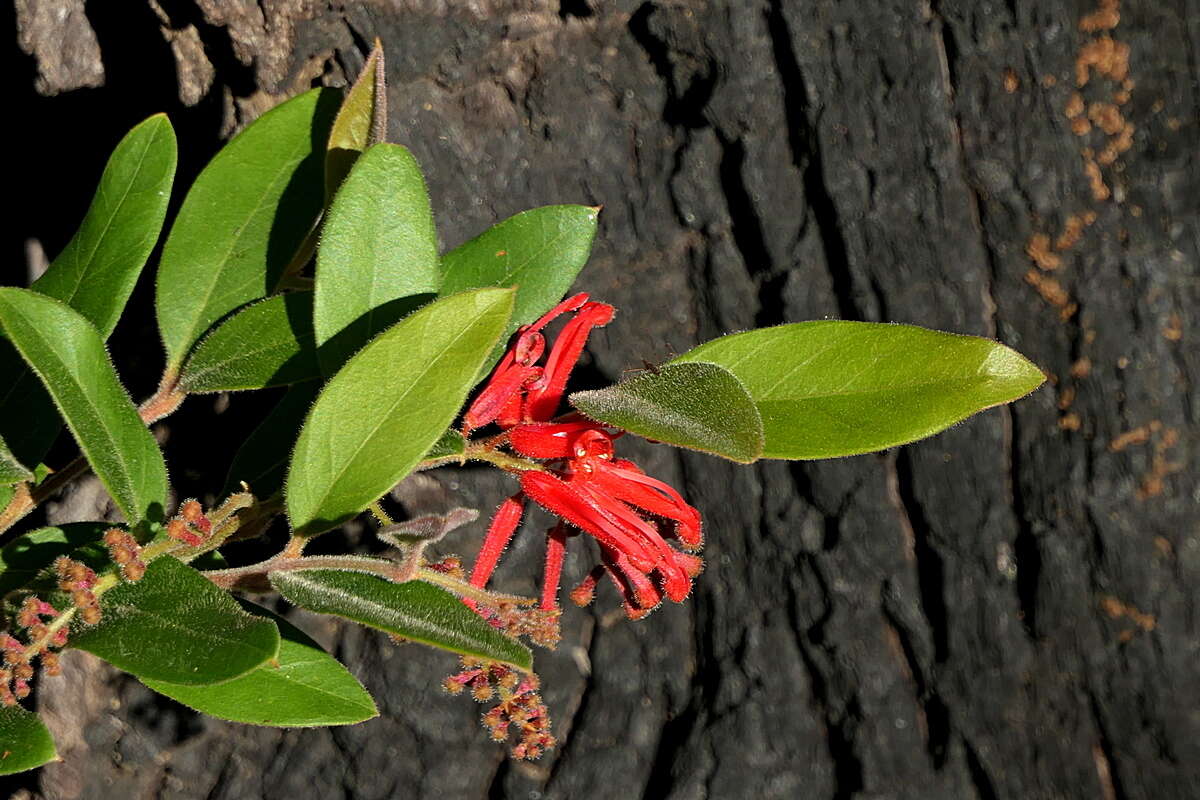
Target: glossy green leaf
262	460
25	743
695	405
381	413
24	557
68	355
243	219
303	687
361	121
378	247
6	495
539	252
833	388
96	271
415	610
268	343
175	626
11	470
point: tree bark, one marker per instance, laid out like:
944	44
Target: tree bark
1007	610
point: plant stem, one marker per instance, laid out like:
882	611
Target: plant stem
505	461
381	516
25	499
165	400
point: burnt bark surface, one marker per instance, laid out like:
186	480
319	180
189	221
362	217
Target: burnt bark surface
1007	610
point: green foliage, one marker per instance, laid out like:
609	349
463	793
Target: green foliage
24	741
242	220
68	355
24	558
379	359
175	626
11	470
262	460
303	687
378	249
539	252
268	343
96	271
414	610
833	388
387	406
361	122
698	406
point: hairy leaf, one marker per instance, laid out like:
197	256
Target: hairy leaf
25	742
96	271
833	388
11	470
68	355
415	610
361	121
694	405
262	460
175	626
539	252
268	343
378	247
303	687
243	219
381	413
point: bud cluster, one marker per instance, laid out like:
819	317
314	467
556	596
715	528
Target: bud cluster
190	525
45	628
520	711
125	553
78	580
541	625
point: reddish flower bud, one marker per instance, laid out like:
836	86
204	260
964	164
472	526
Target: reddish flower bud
191	510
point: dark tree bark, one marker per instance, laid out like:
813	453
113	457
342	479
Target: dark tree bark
1007	610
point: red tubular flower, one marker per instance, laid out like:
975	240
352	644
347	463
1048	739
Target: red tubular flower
630	514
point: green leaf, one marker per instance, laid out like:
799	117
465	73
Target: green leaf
381	413
24	557
306	687
695	405
361	121
262	459
451	443
29	422
96	271
6	495
25	742
243	219
175	626
415	610
378	247
832	388
268	343
68	355
11	470
539	252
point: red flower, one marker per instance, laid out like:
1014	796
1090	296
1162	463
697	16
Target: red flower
631	515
